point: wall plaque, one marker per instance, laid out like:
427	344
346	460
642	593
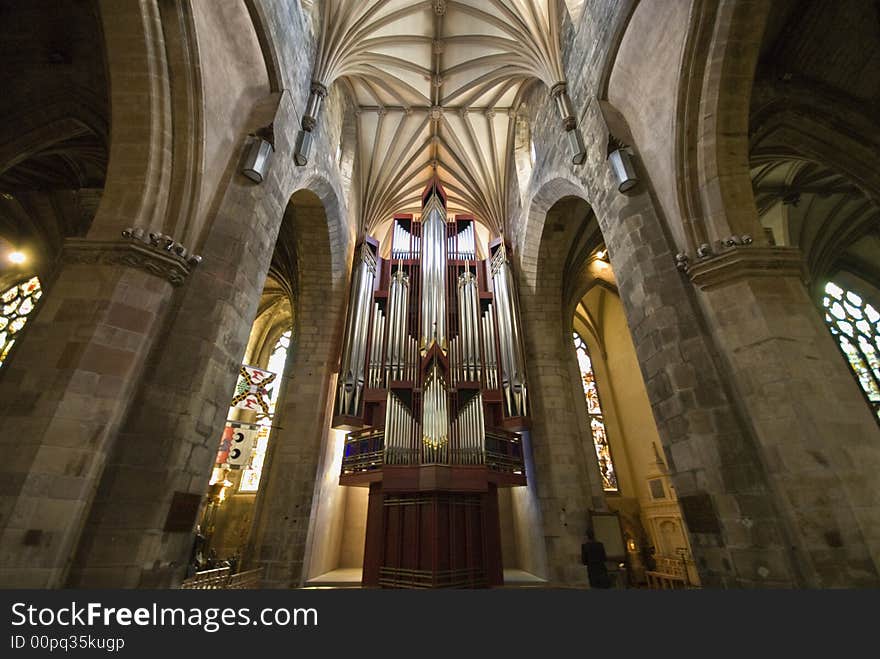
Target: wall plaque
699	513
182	513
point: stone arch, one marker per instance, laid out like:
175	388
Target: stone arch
712	150
288	516
339	233
826	141
140	142
267	45
527	244
565	467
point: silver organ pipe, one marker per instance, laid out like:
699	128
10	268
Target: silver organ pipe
435	418
375	372
470	432
417	362
398	301
351	382
433	291
399	429
469	334
509	338
489	352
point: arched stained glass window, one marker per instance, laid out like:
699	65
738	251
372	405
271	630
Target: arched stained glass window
597	419
250	479
856	326
16	304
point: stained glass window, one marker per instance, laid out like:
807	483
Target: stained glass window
16	303
597	419
250	478
856	326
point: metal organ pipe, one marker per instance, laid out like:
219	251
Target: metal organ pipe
351	382
433	290
398	301
489	349
469	335
512	363
378	335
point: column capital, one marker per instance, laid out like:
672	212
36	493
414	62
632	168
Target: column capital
155	253
745	262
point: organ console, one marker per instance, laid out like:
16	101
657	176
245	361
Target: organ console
432	389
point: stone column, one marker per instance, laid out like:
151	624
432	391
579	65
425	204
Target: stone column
566	472
64	394
299	459
139	532
818	438
739	535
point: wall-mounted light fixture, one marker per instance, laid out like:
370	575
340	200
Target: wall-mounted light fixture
620	159
302	148
303	145
559	93
17	257
256	162
576	145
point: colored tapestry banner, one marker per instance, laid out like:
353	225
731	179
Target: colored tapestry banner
237	444
251	391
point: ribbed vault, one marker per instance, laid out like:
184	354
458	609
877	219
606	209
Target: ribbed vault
437	85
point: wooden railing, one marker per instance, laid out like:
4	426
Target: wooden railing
222	579
364	451
504	451
244	580
669	573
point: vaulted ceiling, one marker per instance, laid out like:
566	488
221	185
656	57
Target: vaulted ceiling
816	95
437	84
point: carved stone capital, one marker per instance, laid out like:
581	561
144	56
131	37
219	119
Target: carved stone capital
560	87
154	253
744	263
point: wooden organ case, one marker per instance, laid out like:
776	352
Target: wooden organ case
432	389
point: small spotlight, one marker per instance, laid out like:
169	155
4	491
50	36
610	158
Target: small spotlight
17	257
601	254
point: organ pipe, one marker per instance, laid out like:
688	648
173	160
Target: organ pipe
351	382
509	337
433	267
469	334
429	341
398	301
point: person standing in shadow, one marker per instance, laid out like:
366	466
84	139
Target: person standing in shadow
593	556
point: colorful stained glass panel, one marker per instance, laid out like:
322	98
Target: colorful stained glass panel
18	302
597	420
250	478
856	326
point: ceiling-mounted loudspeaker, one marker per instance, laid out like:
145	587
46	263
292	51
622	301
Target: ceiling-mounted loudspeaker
256	163
622	166
302	148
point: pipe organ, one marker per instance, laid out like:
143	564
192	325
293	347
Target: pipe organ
432	389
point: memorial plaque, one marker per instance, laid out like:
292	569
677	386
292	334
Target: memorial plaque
182	513
699	513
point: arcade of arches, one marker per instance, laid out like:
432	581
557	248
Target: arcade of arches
553	272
